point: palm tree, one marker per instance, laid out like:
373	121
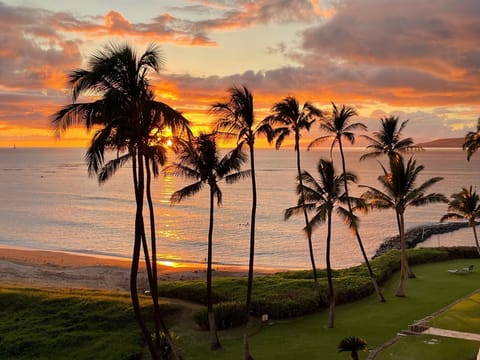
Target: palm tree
472	141
388	140
200	160
338	127
321	197
126	115
400	193
465	205
291	118
237	118
353	344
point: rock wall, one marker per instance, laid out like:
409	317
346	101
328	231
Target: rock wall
418	235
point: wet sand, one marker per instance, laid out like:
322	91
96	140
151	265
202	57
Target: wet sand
30	267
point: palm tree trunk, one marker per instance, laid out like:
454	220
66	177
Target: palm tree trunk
246	351
331	294
139	229
159	323
380	296
476	237
305	215
214	342
403	263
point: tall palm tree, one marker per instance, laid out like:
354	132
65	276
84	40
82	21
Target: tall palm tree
465	205
125	114
290	118
322	196
352	344
399	192
388	139
339	127
472	141
201	161
237	118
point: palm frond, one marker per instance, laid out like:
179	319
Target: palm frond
111	167
233	178
186	192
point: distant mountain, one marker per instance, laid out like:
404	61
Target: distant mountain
445	143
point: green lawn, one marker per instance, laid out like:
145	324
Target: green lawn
308	338
67	324
87	324
464	316
430	347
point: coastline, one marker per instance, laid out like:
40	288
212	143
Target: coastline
46	268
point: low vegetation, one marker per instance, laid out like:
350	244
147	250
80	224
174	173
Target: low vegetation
291	293
86	324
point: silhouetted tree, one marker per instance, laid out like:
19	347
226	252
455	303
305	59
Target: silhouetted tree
388	140
399	192
321	196
465	205
126	115
200	160
237	118
290	117
472	141
338	127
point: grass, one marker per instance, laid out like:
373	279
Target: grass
87	324
308	337
430	347
464	316
62	324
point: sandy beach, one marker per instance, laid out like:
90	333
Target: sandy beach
30	267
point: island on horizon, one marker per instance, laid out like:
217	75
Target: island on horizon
444	143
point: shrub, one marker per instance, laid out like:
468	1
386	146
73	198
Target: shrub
461	252
165	346
227	315
352	288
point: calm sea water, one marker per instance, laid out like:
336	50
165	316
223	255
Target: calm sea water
49	202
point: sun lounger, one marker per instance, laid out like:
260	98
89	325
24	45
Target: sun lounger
462	270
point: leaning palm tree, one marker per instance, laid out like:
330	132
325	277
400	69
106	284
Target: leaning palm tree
465	205
338	127
290	117
352	344
472	141
237	118
399	192
125	114
388	139
200	160
322	196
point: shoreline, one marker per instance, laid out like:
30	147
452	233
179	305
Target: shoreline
27	266
48	268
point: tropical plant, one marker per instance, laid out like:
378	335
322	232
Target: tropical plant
352	344
338	127
200	160
127	119
465	205
322	196
472	141
237	118
399	192
388	140
290	117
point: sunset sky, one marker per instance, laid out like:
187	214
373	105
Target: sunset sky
418	59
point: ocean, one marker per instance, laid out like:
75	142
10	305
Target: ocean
49	202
